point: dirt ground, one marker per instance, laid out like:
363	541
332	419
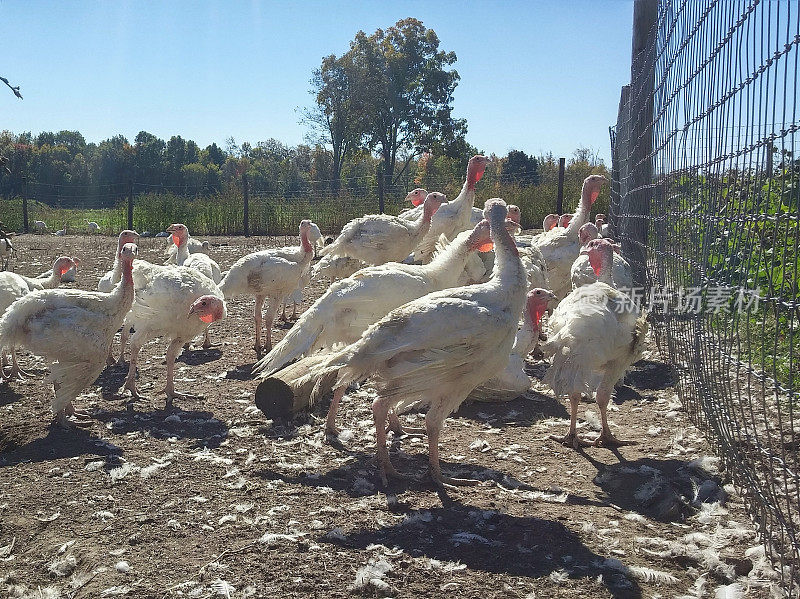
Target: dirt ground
213	500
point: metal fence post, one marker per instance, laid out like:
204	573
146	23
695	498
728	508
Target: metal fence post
130	204
381	190
560	198
246	193
637	205
619	167
25	204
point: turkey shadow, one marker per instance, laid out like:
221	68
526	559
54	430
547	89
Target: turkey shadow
59	443
202	426
523	411
490	541
242	372
652	376
9	395
360	477
668	490
196	357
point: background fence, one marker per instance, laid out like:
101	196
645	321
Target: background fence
705	199
276	211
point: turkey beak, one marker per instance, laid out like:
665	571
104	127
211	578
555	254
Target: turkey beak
551	297
170	229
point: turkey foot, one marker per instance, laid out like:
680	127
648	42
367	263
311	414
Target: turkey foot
332	434
572	440
16	373
398	429
70	410
388	471
172	394
448	482
130	385
260	351
66	423
607	439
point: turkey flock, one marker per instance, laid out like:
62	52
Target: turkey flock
444	303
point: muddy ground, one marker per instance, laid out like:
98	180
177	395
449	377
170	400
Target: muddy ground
211	499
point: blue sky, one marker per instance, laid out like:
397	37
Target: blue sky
535	76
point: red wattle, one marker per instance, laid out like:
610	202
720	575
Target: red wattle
417	202
176	240
486	247
209	318
594	196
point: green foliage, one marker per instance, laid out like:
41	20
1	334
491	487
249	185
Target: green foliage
741	230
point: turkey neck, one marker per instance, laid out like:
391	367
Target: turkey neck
508	273
606	269
52	281
123	292
448	265
584	209
308	250
183	252
466	199
423	223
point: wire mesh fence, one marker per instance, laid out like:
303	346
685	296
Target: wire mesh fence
276	210
706	201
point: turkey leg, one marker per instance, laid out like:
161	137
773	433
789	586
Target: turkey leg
571	439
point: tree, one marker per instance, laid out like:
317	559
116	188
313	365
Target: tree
406	91
149	158
338	118
518	167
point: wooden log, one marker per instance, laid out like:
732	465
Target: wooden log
288	392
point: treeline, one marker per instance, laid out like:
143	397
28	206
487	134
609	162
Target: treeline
65	160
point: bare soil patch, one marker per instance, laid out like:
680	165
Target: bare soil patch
211	499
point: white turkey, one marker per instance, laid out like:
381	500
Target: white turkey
73	328
417	198
434	350
550	222
595	334
582	272
564	220
61	232
269	274
531	257
513	381
335	267
349	306
112	277
378	238
50	278
6	249
199	261
40	226
92	227
195	246
178	303
13	287
453	217
296	297
560	246
515	214
67	277
602	226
